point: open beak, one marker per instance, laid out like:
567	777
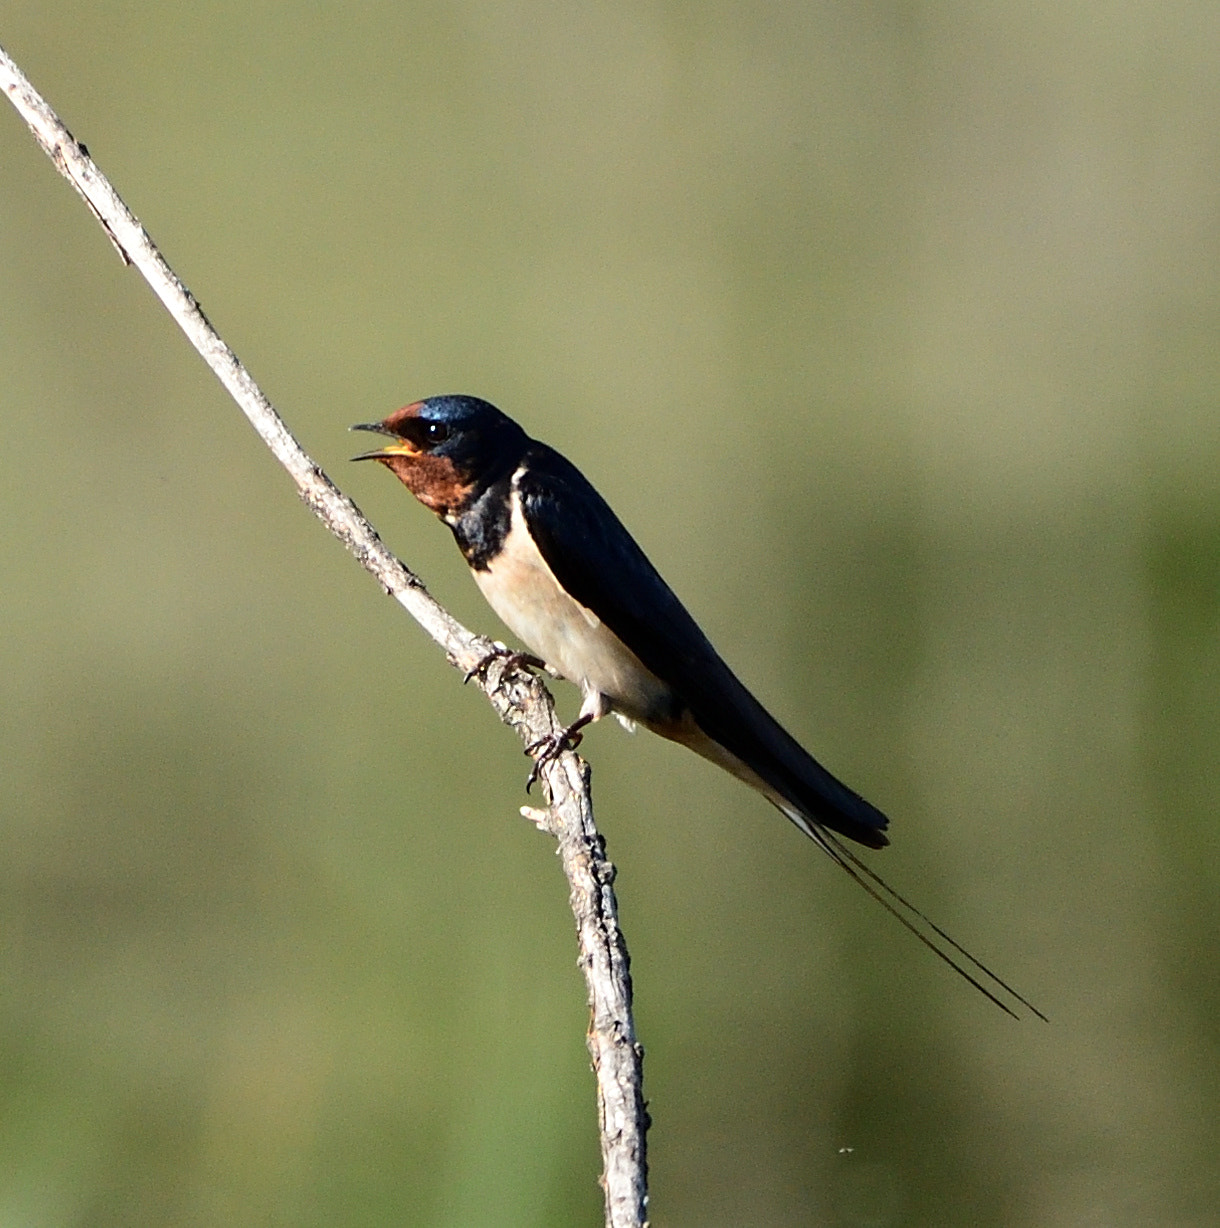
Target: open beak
400	446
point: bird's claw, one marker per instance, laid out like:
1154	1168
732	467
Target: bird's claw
547	749
509	659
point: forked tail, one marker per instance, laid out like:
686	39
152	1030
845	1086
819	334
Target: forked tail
918	923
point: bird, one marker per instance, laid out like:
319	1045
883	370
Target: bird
567	578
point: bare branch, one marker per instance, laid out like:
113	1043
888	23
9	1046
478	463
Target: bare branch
519	698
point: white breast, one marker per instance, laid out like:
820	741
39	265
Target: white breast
523	591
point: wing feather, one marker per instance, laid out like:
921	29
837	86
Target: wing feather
599	563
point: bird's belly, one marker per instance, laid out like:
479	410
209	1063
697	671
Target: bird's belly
523	591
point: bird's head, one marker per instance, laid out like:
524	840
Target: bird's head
447	450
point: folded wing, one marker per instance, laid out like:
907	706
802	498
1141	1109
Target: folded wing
599	563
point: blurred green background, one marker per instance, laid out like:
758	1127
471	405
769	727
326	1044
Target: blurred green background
892	332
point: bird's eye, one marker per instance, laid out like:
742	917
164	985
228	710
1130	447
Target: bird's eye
437	432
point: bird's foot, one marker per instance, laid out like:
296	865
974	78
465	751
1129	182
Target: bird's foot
547	749
508	658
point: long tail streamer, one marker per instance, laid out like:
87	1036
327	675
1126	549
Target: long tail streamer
918	923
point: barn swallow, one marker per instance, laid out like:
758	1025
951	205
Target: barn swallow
565	576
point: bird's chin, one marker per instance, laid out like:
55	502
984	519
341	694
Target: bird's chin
433	480
402	464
